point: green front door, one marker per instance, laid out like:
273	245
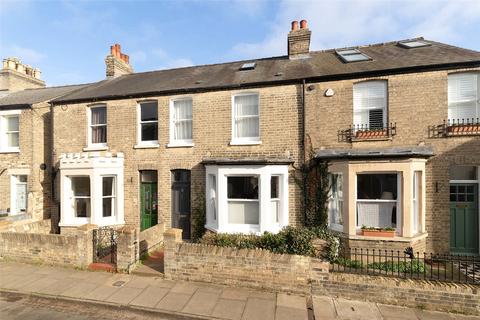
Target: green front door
148	205
464	218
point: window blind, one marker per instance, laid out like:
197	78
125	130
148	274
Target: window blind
463	96
370	104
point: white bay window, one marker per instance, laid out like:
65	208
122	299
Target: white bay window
247	199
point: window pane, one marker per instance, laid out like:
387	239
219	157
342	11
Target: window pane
107	186
99	115
370	97
81	207
274	187
246	105
22	178
99	134
463	173
240	212
149	111
12	123
242	187
13	139
182	109
107	206
247	127
148	176
149	131
377	186
462	95
182	117
81	186
183	130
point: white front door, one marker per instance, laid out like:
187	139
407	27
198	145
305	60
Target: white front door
18	194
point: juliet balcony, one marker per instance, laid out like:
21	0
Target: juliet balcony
455	127
365	132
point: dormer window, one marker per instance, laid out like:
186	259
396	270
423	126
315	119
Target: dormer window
352	55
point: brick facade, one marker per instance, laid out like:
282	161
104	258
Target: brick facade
280	123
415	102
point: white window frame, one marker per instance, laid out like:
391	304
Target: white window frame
335	226
245	140
264	174
454	104
73	197
212	204
398	201
358	109
179	142
145	143
90	144
417	200
14	181
113	196
4	148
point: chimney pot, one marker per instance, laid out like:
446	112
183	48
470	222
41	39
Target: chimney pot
294	25
303	24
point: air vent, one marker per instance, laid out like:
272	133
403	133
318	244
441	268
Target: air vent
352	55
248	66
409	44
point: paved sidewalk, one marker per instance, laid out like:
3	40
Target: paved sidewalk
196	300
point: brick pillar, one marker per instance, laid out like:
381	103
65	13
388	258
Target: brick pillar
127	248
84	236
319	270
171	238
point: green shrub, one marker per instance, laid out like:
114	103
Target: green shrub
347	263
290	240
412	266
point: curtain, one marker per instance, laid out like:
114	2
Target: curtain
370	103
463	95
246	116
99	125
182	114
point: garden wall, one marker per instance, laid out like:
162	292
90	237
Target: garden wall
73	250
151	238
301	274
29	226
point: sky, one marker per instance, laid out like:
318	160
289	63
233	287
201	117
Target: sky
69	40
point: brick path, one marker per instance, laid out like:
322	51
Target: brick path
191	299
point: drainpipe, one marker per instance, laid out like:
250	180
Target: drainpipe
51	166
304	154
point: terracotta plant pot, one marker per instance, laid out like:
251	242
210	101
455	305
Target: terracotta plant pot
463	128
371	134
378	233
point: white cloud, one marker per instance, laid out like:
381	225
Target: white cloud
348	23
26	55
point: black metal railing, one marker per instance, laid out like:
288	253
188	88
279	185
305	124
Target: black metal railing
105	245
409	264
455	127
361	132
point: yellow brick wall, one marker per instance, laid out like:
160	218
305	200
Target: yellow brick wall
415	101
280	118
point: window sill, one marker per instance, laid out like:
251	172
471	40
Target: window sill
146	146
11	150
396	238
95	148
245	143
180	145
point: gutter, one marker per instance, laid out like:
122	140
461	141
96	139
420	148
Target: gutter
313	79
16	106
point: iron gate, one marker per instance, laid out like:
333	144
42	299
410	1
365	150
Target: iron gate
105	245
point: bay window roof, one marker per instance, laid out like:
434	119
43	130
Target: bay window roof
409	152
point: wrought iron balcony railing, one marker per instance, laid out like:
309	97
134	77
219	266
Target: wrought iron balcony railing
365	132
455	127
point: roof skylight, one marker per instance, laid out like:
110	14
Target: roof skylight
352	55
409	44
248	66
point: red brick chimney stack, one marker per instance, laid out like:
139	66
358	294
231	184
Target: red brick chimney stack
117	62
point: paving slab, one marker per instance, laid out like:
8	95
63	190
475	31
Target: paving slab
324	308
285	313
38	285
291	301
102	292
138	282
229	309
80	290
184	287
201	303
158	282
124	295
150	297
59	286
390	312
173	301
262	295
235	294
19	282
259	309
357	310
431	315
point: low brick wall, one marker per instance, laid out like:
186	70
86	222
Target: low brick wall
151	238
431	295
54	249
239	267
28	226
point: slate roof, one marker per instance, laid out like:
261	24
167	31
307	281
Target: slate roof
321	65
26	98
394	152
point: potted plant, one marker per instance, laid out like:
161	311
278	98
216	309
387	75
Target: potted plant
371	134
387	232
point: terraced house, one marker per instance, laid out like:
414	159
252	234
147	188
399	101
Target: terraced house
398	123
